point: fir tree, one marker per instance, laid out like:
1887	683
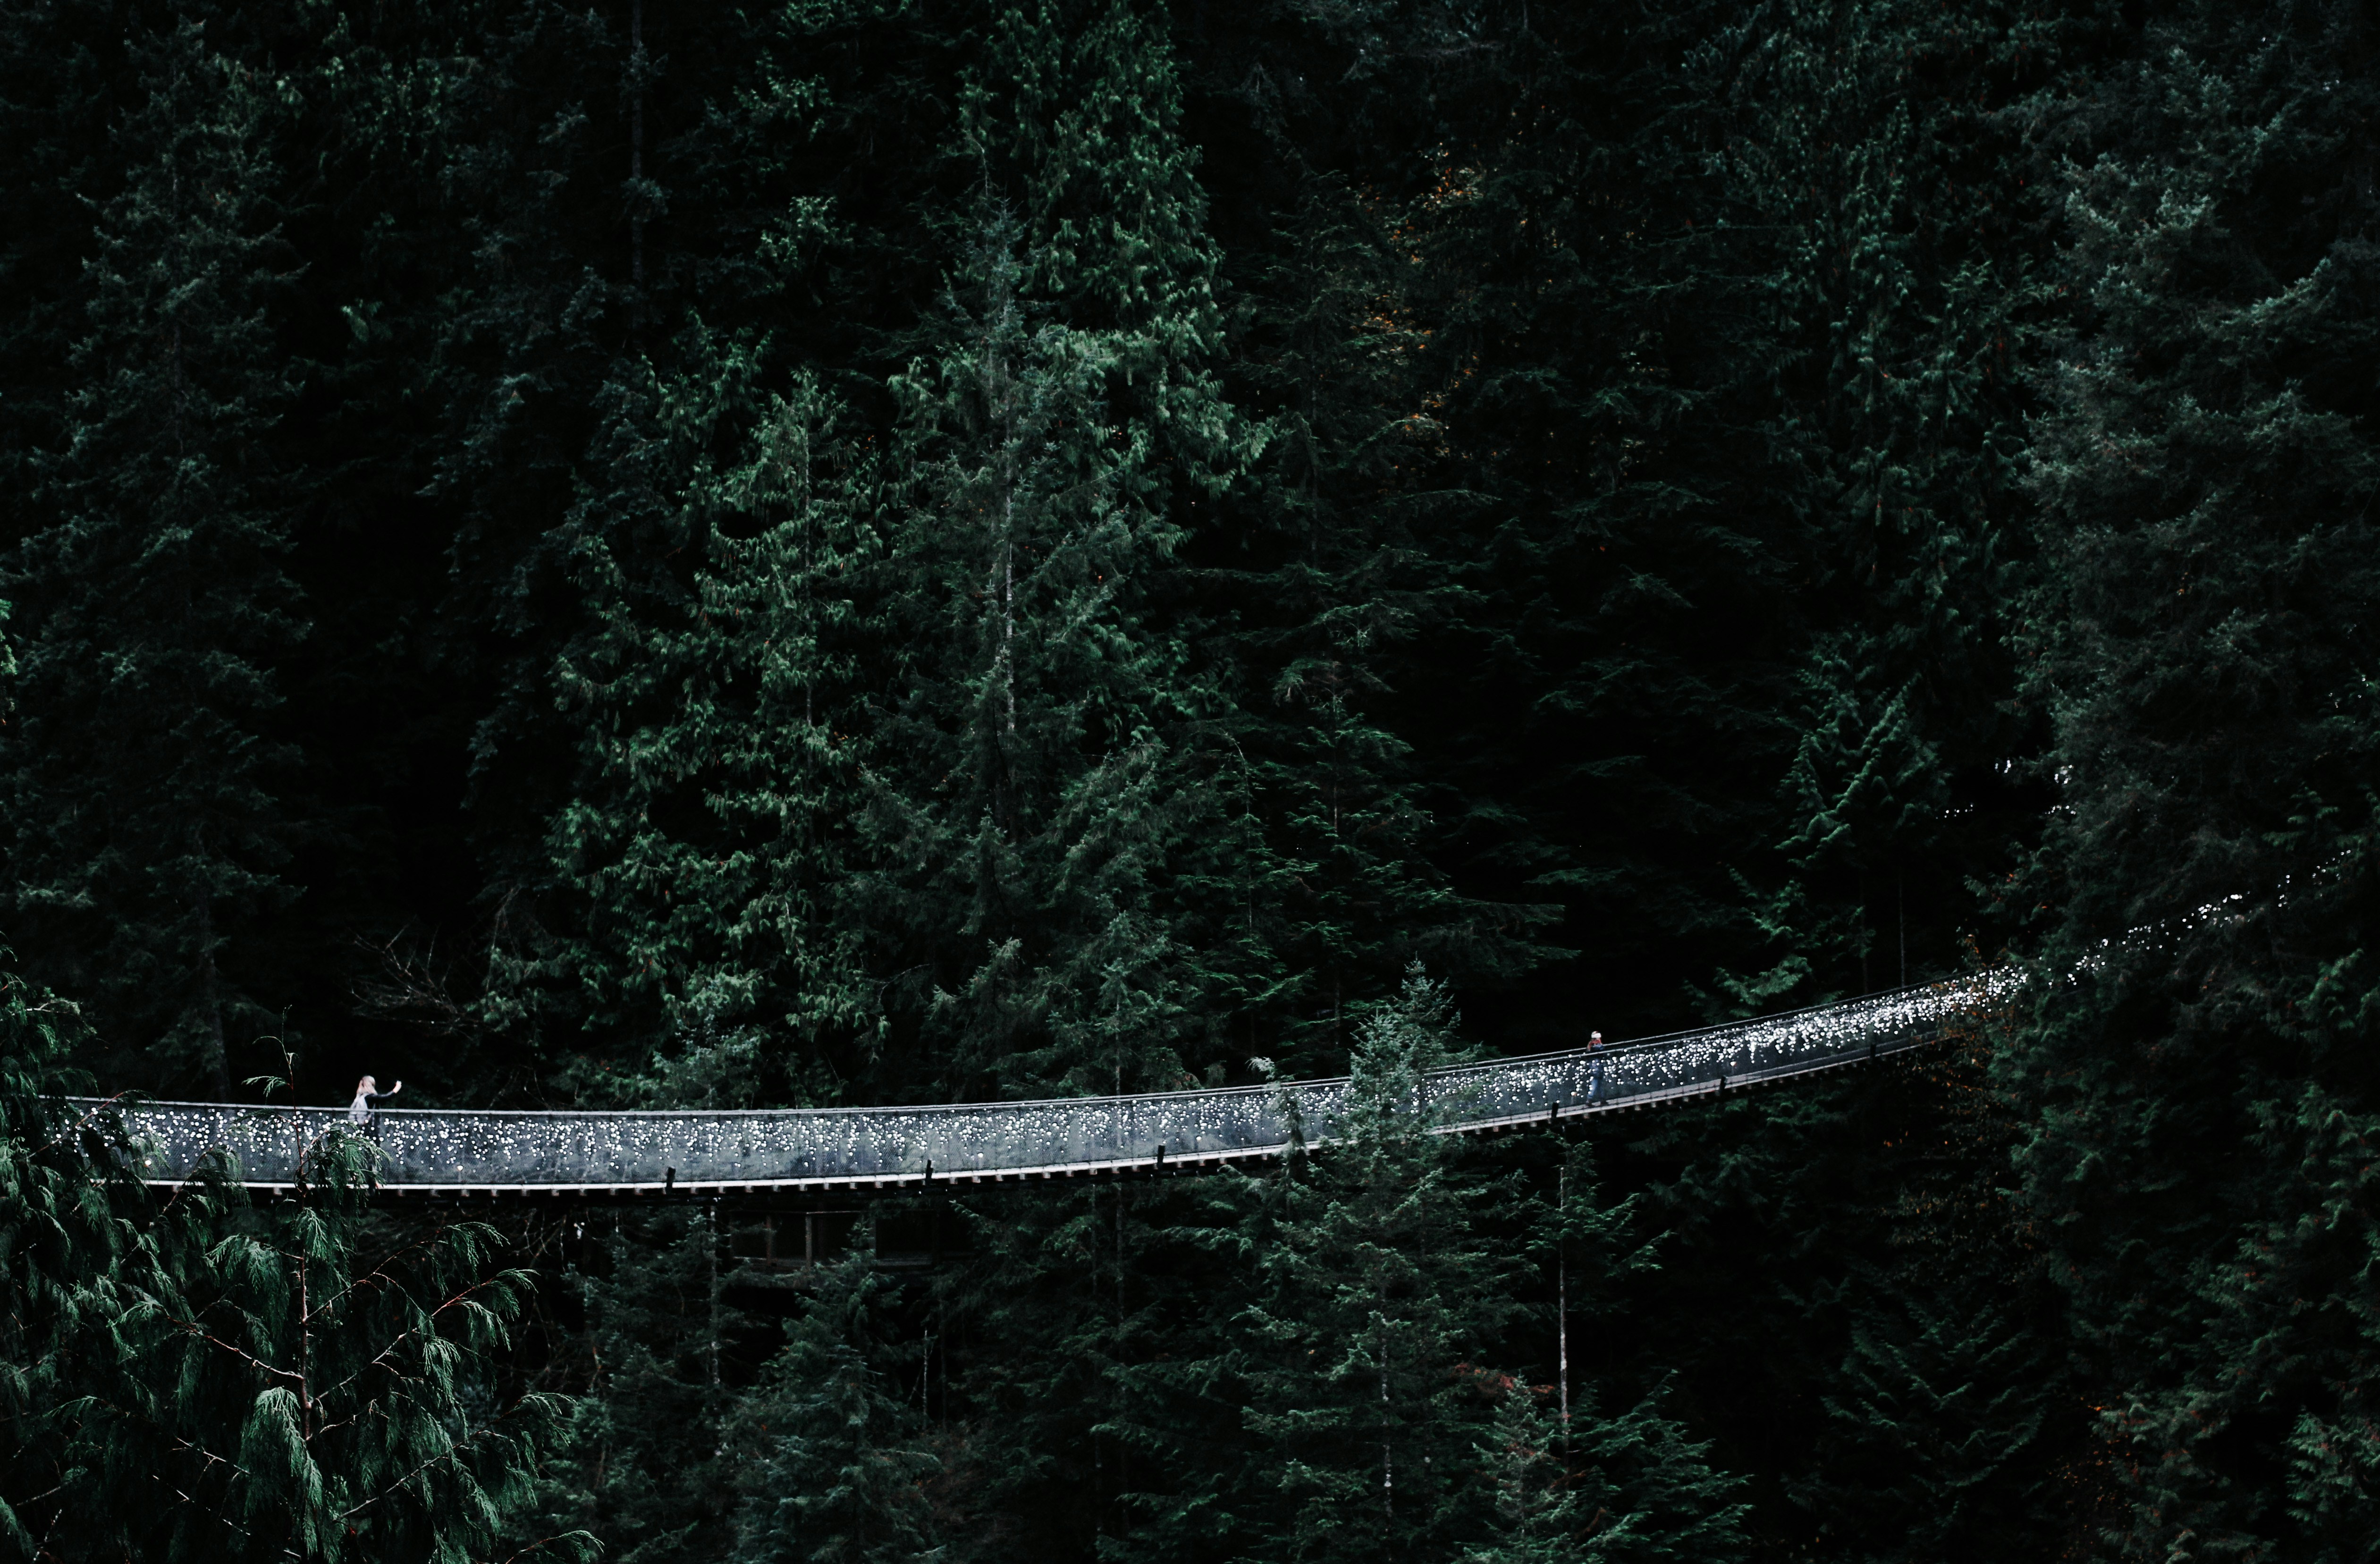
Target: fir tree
1322	573
1535	1518
1376	1288
1042	775
690	938
198	1377
648	1465
841	1475
1882	251
60	84
1064	1434
1383	1292
2198	1060
146	841
1591	1487
1043	719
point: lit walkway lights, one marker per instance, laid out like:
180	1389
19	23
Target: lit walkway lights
703	1154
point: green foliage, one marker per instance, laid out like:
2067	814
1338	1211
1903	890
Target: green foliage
1877	244
310	1395
689	932
1046	760
145	837
842	1478
852	552
202	1378
2198	1062
67	1240
1626	1487
1042	789
1375	1289
1382	1289
649	1465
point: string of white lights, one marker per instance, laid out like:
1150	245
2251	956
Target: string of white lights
459	1152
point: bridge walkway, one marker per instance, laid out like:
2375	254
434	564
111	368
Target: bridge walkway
467	1153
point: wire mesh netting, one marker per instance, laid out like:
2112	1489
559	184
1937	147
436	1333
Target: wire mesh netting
692	1150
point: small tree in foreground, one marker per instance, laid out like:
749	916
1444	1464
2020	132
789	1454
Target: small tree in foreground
1384	1289
201	1377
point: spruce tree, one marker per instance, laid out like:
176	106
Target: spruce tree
1376	1287
1591	1487
1882	223
1046	873
842	1466
689	946
146	839
1039	708
648	1467
1375	1420
2198	1059
198	1378
1319	578
1044	773
60	76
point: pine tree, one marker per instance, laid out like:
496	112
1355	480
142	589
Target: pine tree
842	1479
690	939
1953	1424
1376	1288
1043	827
146	841
200	1377
59	72
1593	1487
1570	1481
2197	1064
1891	276
1536	1518
1321	574
1043	774
649	1466
1038	710
1060	1332
1384	1291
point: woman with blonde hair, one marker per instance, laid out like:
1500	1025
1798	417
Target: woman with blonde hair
368	1092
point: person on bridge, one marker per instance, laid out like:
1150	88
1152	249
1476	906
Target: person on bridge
359	1112
1595	1067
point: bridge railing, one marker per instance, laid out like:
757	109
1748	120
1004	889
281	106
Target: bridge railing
461	1151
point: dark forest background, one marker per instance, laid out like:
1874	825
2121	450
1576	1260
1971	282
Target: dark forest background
853	552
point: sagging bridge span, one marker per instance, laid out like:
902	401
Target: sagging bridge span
471	1153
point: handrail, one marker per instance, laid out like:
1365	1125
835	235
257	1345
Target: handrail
470	1152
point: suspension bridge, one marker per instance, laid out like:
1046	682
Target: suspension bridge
470	1153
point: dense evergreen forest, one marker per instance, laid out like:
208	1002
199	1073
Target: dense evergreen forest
847	552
